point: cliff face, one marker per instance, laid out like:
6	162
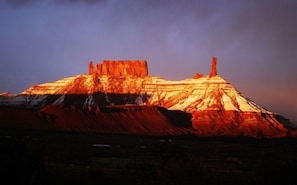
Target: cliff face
137	68
216	107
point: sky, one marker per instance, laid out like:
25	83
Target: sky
255	42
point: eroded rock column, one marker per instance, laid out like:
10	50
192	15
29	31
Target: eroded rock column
213	71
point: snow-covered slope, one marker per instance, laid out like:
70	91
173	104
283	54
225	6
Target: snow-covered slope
202	94
189	95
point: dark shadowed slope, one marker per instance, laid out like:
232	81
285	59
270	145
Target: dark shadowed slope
147	120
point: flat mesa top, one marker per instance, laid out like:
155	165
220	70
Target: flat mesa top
124	61
137	68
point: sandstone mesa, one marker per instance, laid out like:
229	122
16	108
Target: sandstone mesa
215	107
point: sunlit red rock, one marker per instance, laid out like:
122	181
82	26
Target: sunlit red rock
197	75
137	68
213	71
222	123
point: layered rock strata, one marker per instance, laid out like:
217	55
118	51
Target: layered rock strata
215	106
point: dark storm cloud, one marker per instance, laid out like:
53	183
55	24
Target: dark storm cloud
268	24
264	20
267	31
226	20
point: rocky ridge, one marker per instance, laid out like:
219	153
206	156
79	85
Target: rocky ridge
215	106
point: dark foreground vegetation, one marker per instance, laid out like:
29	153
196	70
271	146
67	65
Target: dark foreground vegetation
46	158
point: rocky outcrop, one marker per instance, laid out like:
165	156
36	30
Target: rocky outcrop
137	68
197	75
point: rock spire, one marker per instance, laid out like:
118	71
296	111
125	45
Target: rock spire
91	68
213	71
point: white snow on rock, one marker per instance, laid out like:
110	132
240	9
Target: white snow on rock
188	95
